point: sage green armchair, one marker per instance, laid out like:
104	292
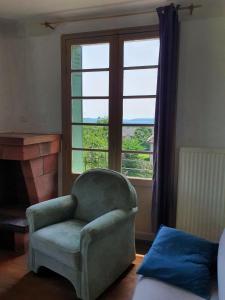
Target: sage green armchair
88	236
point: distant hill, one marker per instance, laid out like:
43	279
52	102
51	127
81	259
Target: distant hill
150	121
91	120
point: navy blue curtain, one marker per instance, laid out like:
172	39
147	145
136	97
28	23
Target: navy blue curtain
163	197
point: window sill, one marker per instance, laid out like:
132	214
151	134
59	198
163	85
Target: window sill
141	182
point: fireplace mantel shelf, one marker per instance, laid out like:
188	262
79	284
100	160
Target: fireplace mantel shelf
38	158
26	138
26	146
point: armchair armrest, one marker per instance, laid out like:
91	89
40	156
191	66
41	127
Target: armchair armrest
107	247
105	224
50	212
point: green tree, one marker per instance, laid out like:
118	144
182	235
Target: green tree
133	164
95	137
142	134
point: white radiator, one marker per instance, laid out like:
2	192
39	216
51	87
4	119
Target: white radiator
201	192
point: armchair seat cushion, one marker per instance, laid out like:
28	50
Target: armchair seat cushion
61	241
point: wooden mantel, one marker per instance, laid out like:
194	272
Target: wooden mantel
26	146
38	155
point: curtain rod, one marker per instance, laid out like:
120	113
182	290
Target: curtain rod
51	24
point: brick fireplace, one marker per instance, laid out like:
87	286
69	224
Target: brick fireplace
28	175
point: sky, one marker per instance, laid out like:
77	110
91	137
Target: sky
136	82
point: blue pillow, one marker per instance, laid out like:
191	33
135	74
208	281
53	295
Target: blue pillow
180	259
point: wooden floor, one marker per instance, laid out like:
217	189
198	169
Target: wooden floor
16	283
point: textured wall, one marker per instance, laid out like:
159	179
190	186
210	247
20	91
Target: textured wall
201	88
11	69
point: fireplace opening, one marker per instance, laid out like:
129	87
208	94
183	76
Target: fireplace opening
13	192
14	201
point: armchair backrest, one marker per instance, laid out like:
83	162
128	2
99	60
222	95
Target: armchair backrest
99	191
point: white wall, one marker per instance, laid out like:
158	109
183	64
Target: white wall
10	66
201	85
40	110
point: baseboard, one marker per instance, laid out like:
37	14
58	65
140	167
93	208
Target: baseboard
141	235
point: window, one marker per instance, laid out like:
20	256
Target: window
90	106
109	91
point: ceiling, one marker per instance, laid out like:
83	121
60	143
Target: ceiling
20	9
28	9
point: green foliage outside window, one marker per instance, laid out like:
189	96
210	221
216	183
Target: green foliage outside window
133	164
95	137
137	164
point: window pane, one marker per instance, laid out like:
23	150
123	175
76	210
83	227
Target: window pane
90	84
137	138
90	137
90	111
139	111
140	82
90	56
137	165
141	53
85	160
